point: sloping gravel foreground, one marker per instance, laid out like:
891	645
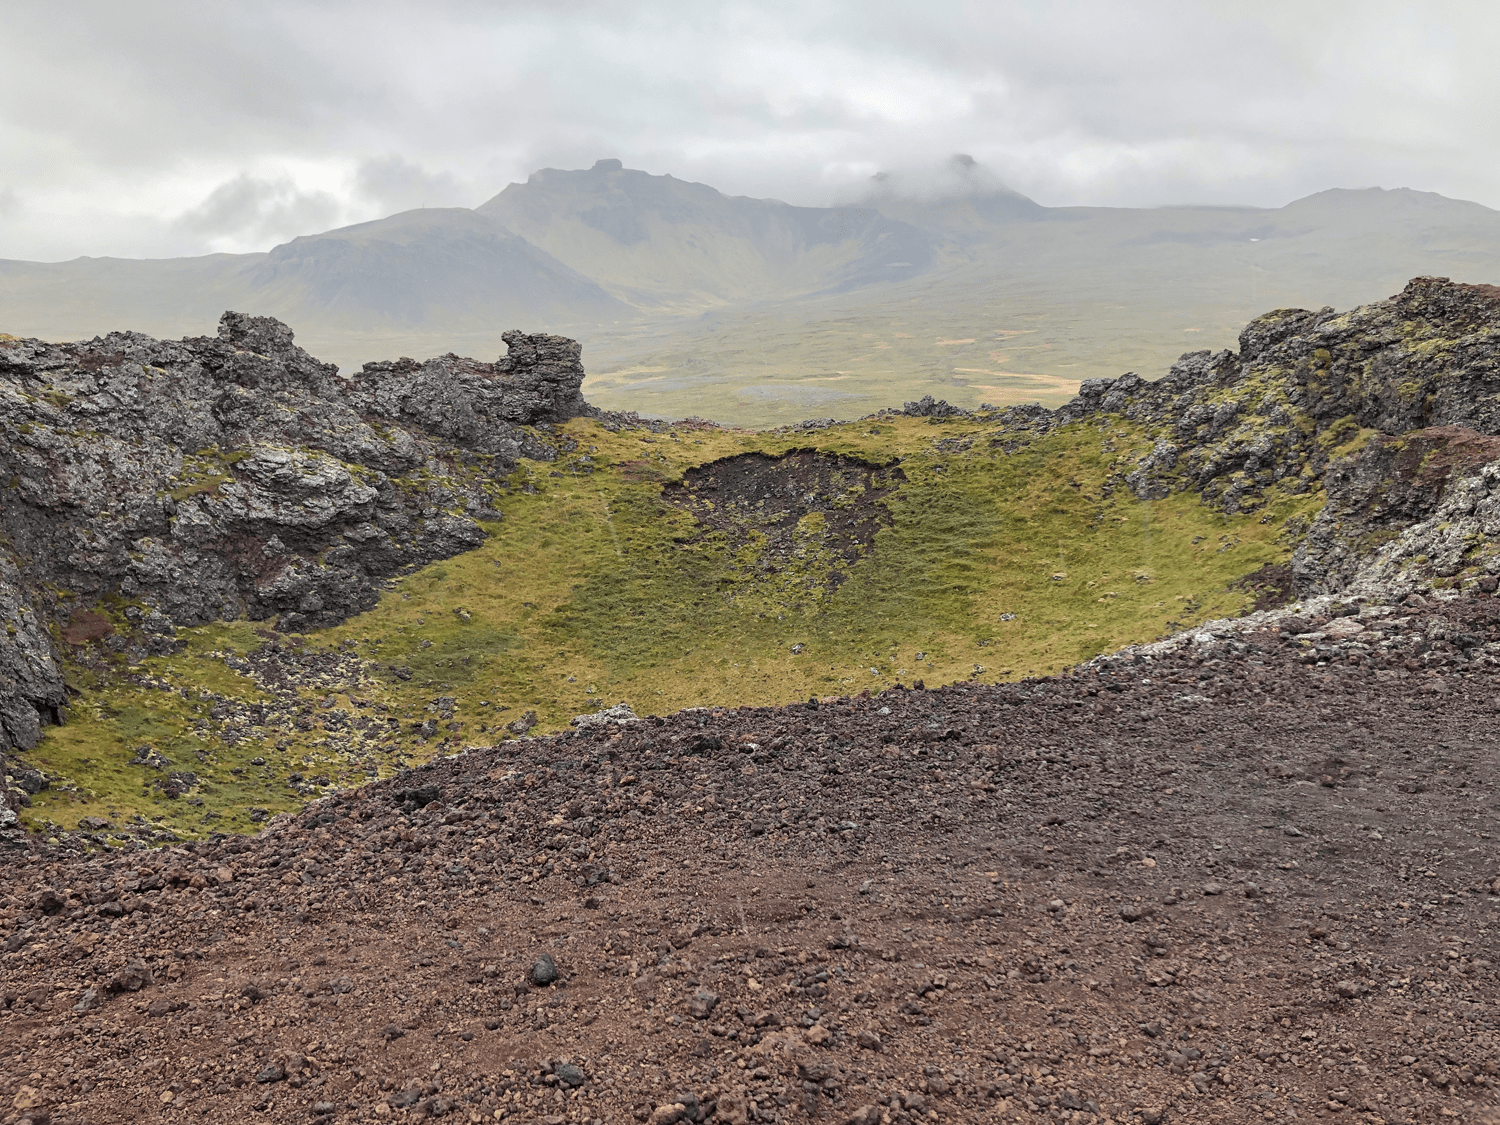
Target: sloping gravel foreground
1249	880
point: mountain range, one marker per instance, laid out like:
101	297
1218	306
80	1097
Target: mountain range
753	311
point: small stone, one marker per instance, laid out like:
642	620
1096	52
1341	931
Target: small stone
701	1006
1056	905
1349	989
405	1098
570	1076
544	972
135	976
1135	911
321	1109
88	1001
817	1035
669	1114
1212	889
870	1041
272	1073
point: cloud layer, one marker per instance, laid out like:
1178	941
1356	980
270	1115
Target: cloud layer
169	127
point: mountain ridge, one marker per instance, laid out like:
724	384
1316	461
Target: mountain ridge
753	310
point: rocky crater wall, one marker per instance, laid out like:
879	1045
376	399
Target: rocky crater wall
1233	425
151	483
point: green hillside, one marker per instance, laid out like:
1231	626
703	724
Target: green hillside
693	567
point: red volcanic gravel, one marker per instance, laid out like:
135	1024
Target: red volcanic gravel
1234	883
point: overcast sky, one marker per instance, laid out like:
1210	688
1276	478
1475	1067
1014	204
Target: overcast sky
156	128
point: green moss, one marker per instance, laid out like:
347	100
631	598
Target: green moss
204	471
1344	437
595	589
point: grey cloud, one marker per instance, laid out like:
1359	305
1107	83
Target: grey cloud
391	183
250	211
155	104
956	177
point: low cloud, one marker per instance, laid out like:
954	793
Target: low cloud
958	177
251	213
393	183
372	108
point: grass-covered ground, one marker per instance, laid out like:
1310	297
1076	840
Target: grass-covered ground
595	588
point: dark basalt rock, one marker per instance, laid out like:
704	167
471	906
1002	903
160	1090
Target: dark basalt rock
1380	491
237	476
1301	384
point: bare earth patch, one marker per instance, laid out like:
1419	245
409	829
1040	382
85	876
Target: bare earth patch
1236	886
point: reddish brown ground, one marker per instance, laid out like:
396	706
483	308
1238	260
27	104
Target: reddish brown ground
1211	889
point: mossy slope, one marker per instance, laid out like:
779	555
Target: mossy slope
594	588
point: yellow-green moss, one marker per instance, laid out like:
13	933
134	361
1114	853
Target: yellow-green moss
593	589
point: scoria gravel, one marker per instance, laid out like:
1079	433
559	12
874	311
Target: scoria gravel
1248	879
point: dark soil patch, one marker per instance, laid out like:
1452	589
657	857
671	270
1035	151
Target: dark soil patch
88	625
1273	586
755	495
1434	456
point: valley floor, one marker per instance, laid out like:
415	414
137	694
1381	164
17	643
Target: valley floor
1236	882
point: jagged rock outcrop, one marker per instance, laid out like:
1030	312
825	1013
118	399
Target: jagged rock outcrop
1294	409
1379	493
236	476
1275	413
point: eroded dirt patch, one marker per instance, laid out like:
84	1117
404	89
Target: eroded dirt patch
806	514
1272	586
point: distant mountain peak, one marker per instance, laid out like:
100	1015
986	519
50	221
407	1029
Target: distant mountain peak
660	239
960	176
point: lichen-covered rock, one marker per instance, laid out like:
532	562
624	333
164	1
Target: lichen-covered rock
1381	492
216	478
1461	534
1302	385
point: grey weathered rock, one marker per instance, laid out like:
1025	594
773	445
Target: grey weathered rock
701	1006
926	407
1380	498
233	476
618	715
